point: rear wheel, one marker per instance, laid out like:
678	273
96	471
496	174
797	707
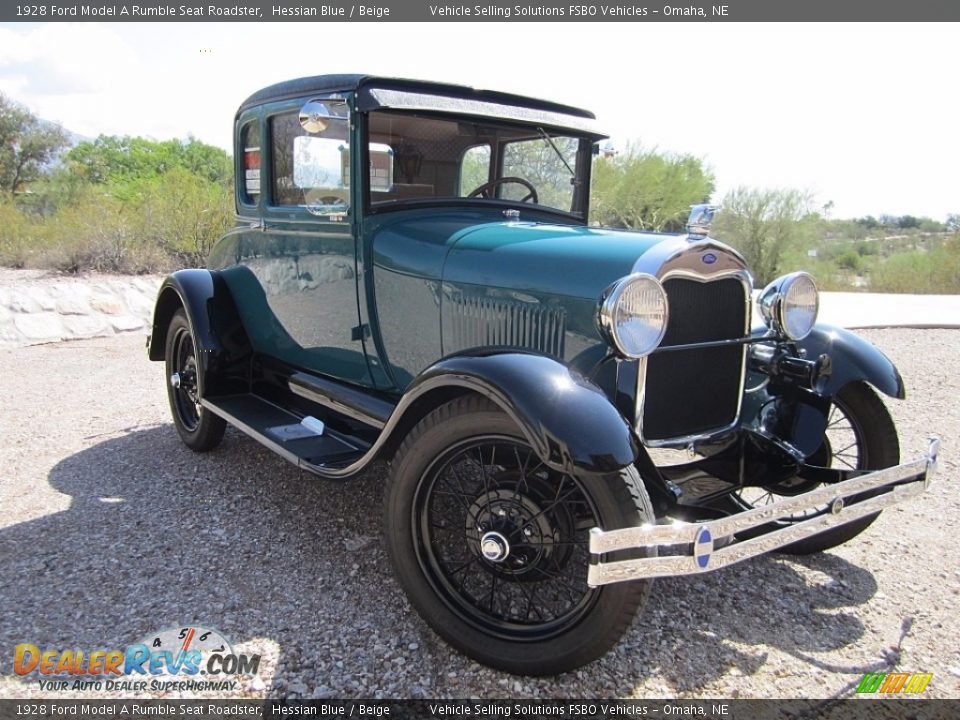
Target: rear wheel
491	546
860	435
199	428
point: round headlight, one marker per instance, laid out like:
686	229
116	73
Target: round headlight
789	305
633	314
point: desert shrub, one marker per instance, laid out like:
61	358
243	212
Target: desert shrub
184	214
100	232
936	272
157	225
645	189
848	260
15	236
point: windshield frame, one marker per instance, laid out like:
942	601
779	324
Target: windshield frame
583	160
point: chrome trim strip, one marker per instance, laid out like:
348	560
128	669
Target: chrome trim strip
315	395
904	481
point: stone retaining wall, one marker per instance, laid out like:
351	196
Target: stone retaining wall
40	307
37	307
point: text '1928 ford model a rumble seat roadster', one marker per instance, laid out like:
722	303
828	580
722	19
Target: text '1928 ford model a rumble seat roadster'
413	278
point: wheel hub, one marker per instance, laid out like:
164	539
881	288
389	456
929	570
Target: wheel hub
509	528
494	547
505	546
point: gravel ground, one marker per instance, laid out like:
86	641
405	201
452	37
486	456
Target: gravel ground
110	529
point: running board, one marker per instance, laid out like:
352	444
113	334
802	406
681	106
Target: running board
308	445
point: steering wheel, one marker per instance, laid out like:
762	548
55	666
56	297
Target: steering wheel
317	204
484	190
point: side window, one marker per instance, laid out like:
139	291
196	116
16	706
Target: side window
548	164
250	146
474	169
311	158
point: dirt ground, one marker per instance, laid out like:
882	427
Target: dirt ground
110	530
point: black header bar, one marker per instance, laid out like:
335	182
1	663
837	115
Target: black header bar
500	709
485	11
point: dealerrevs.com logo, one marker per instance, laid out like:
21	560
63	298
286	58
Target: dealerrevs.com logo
199	659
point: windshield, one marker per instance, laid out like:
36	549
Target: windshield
434	157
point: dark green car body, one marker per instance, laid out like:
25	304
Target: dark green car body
407	252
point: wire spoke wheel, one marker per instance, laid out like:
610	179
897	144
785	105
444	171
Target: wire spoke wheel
843	447
504	540
491	545
859	435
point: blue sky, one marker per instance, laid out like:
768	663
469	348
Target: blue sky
864	115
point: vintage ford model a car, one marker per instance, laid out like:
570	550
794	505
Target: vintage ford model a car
413	277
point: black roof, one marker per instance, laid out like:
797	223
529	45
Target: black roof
318	84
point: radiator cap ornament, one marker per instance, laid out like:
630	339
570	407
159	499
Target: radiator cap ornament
700	220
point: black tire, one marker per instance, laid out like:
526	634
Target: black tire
447	485
200	429
859	419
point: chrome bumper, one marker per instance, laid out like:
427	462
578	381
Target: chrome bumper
700	556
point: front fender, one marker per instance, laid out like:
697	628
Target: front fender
853	359
568	421
218	335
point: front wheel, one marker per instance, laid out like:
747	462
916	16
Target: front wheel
491	546
860	435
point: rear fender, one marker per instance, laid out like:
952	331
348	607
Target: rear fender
223	348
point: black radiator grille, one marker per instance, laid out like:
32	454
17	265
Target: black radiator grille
694	391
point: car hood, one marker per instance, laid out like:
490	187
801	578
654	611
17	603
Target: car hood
545	259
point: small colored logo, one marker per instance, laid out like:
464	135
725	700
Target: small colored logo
890	683
708	258
703	548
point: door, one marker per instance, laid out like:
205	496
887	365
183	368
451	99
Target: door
295	278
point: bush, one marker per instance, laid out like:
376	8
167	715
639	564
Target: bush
185	214
154	225
934	272
848	260
15	236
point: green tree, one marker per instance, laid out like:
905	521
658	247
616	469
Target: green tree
643	189
185	214
763	224
125	162
27	145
